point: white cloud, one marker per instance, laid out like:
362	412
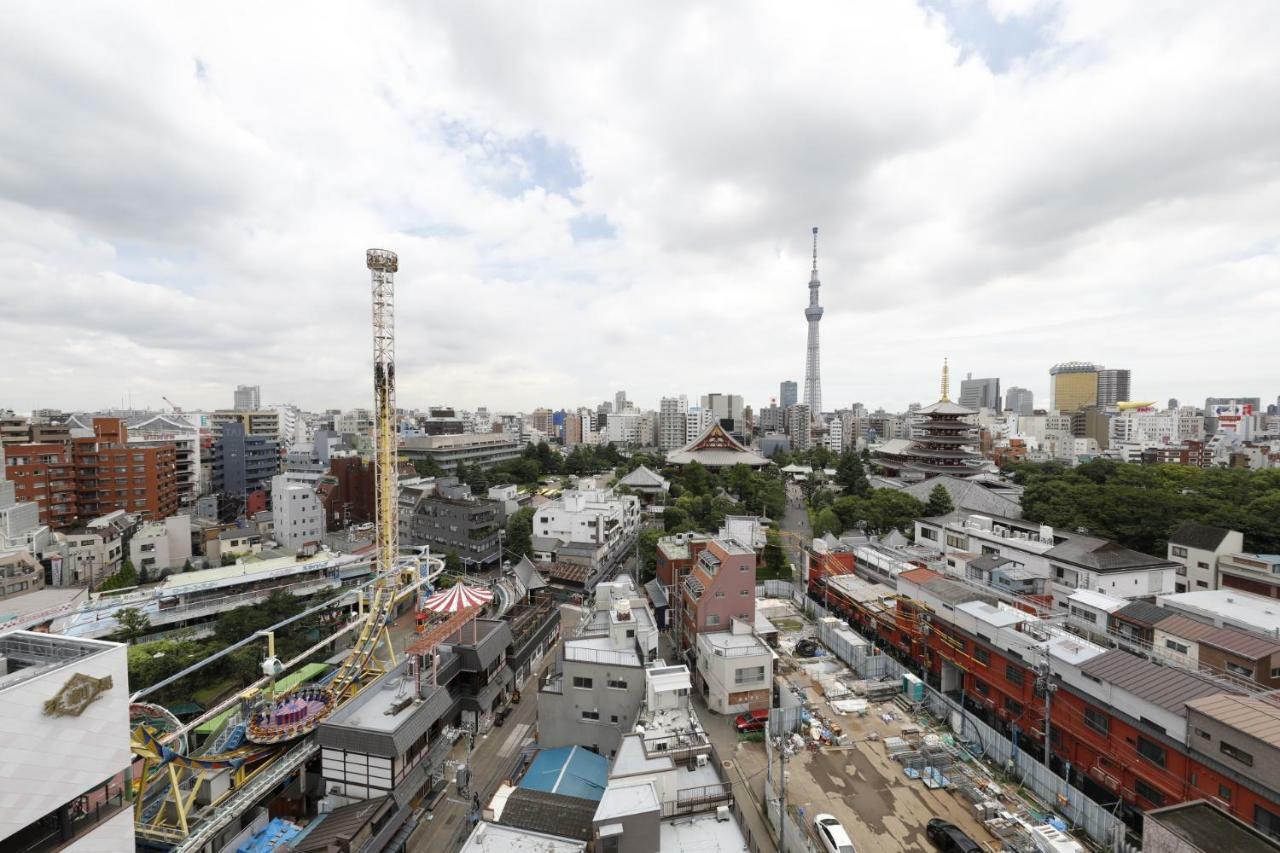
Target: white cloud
186	196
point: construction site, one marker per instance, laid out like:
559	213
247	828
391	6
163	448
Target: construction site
854	737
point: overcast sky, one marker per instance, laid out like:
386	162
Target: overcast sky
595	196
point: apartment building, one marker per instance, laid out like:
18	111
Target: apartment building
159	430
446	516
297	513
263	423
86	477
161	545
1197	548
243	463
588	515
719	587
735	669
673	414
1255	573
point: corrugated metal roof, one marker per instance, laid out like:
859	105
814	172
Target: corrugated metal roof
1256	716
1143	612
1185	627
1165	686
1233	640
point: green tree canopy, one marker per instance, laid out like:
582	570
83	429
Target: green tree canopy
851	476
939	502
133	623
775	559
827	522
882	511
520	532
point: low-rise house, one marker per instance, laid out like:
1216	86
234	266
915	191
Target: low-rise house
735	669
1196	548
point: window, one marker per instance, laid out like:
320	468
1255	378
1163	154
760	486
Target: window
1235	752
1202	584
1148	793
615	684
929	534
719	594
748	675
981	687
613	718
1237	669
1267	821
713	620
1013	673
1180	648
1179	551
1224	793
1014	708
1153	752
1275	672
1097	720
1202	565
1202	733
590	715
584	683
982	656
744	592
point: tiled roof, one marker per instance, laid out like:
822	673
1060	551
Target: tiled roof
1103	556
1165	686
1144	613
554	814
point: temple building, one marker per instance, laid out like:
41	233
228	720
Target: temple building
943	439
715	448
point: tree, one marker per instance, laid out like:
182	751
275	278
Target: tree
851	476
428	467
827	522
133	623
124	578
884	510
453	563
775	559
674	519
520	532
186	566
939	502
648	548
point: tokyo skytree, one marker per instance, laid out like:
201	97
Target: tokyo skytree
813	361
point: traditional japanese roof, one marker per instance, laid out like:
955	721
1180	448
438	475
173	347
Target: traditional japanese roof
946	407
643	478
715	448
528	575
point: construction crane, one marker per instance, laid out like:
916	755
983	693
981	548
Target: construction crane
177	410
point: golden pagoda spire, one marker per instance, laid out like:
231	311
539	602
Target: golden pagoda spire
946	383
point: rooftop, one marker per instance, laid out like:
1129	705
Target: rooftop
243	572
628	798
1097	600
1256	611
1101	555
30	654
701	834
1201	536
495	838
1164	686
1207	828
1143	612
568	770
1256	716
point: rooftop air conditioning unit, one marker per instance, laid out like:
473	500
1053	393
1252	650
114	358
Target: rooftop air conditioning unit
701	760
722	814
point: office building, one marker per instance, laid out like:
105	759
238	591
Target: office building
446	516
980	393
482	449
726	410
242	463
297	513
248	398
1073	385
264	423
788	394
1020	401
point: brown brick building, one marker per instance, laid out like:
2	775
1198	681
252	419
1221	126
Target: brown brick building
82	478
347	492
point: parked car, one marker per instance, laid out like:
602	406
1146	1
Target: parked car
950	838
500	715
831	833
751	721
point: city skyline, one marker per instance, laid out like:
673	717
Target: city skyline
992	186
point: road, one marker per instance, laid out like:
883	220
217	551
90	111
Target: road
795	527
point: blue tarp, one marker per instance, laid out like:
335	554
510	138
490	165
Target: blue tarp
568	770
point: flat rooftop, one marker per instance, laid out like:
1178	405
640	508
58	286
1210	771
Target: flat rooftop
600	650
701	834
496	838
1256	611
245	572
371	710
29	654
727	641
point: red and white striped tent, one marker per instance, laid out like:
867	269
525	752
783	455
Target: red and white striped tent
457	598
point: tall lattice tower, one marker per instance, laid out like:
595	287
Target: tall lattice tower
813	361
383	265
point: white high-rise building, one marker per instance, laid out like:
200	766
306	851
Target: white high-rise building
696	422
672	415
834	438
296	511
248	398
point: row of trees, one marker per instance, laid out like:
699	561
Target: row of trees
1140	506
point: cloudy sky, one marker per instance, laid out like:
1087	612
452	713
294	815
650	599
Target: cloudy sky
586	197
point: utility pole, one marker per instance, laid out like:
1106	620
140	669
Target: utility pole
1044	682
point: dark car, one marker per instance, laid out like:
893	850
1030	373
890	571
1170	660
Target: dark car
950	838
751	721
500	715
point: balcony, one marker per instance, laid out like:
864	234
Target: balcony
552	682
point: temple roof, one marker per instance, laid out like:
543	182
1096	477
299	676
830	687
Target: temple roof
715	448
946	407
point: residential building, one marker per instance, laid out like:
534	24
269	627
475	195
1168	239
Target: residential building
446	516
243	463
1113	387
67	701
20	525
263	423
719	587
297	512
347	492
602	520
1227	608
1255	573
698	421
1073	385
20	573
355	422
772	419
980	393
624	428
483	450
596	689
87	556
735	669
159	430
788	393
90	476
248	398
1244	657
799	425
1197	548
673	412
1020	401
160	545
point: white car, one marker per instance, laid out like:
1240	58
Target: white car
834	838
